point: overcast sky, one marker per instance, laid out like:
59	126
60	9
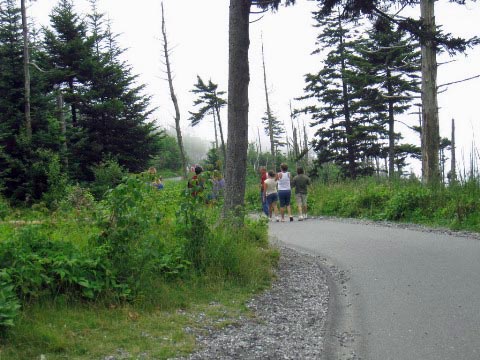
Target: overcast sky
198	35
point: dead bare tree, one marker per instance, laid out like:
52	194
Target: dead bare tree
269	117
453	164
178	130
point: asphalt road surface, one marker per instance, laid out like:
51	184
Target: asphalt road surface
396	293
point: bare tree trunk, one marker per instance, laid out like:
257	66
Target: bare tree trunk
174	98
453	164
259	141
430	126
220	127
391	128
352	166
63	128
305	142
26	70
238	80
215	127
295	147
269	111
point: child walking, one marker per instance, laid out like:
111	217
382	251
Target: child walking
270	194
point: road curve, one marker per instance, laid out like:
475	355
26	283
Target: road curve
397	293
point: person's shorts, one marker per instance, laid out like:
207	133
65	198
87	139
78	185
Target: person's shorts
284	197
271	198
301	199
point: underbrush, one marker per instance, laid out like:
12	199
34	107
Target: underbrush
455	206
75	282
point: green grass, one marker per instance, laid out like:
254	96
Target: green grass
158	331
456	206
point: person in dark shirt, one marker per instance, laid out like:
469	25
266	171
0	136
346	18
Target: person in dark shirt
300	182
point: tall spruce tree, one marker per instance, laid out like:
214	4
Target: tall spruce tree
20	179
69	52
12	168
114	111
391	64
348	132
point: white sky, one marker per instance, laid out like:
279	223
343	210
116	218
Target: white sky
198	35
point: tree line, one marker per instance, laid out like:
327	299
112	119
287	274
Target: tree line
85	104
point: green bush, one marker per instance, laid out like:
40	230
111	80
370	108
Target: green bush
57	180
108	175
136	233
409	203
40	267
9	305
78	198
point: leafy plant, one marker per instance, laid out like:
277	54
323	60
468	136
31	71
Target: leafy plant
108	174
9	305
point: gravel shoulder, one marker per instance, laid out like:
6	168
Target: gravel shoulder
289	320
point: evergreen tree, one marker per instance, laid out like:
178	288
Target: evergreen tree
19	177
12	169
431	39
348	133
108	110
69	54
391	64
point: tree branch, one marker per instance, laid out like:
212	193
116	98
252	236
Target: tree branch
458	81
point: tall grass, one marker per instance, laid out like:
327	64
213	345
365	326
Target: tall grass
455	206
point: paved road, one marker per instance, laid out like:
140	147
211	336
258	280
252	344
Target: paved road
398	293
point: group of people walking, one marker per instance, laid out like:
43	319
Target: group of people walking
277	188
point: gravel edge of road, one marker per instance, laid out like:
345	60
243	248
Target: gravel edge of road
289	321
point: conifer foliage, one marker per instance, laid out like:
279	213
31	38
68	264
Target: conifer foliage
367	79
78	79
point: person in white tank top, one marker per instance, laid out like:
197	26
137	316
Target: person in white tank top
284	191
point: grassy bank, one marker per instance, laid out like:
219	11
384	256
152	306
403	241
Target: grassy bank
456	206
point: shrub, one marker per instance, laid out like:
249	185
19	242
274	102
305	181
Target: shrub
40	267
408	203
57	181
108	175
78	198
134	231
9	305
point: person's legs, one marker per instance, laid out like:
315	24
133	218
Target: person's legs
282	200
265	208
275	209
288	195
298	200
304	205
269	206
